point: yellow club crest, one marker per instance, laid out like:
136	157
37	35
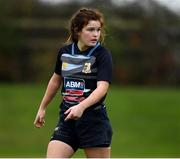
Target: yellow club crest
64	65
87	68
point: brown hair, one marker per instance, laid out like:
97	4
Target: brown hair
81	19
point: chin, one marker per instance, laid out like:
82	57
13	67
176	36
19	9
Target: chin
92	44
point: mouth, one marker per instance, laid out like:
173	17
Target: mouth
94	40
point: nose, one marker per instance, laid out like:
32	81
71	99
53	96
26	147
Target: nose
96	33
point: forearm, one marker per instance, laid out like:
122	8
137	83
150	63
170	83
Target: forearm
95	96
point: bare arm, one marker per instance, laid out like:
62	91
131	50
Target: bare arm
96	95
51	90
75	112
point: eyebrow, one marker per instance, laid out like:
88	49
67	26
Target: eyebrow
93	27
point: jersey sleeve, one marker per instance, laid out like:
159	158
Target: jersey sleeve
104	67
58	64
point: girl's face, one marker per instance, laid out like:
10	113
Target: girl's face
89	35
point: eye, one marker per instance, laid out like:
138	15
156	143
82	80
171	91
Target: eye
90	29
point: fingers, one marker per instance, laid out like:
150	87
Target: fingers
67	111
69	116
73	113
39	122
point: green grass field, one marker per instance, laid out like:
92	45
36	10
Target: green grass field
146	121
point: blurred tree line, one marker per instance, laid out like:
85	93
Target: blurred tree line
143	37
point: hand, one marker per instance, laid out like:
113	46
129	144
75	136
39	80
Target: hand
74	112
39	120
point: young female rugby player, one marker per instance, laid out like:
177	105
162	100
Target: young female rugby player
84	71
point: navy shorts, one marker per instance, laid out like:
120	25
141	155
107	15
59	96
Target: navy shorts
93	129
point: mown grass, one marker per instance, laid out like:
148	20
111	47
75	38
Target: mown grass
146	121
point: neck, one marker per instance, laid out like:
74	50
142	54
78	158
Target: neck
81	46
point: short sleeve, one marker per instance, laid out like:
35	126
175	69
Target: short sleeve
104	64
58	65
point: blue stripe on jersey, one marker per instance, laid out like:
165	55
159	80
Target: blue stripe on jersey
90	52
76	56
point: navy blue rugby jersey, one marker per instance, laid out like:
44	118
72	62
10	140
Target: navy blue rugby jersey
80	71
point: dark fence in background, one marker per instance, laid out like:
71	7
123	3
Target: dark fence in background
143	37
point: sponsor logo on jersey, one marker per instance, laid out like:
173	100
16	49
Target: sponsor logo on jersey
74	86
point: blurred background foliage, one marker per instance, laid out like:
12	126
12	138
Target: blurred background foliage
143	37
